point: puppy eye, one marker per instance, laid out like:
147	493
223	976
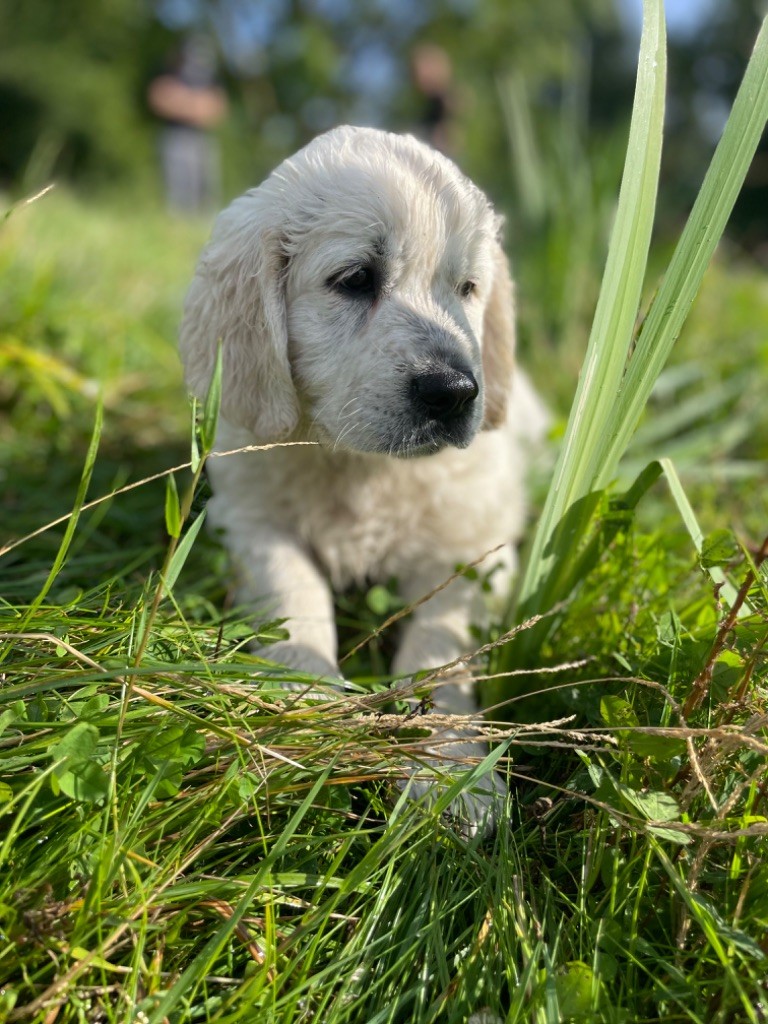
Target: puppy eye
358	282
467	288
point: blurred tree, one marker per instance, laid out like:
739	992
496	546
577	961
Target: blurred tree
304	65
492	42
70	75
518	84
73	74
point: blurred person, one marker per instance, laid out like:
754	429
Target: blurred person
189	103
432	75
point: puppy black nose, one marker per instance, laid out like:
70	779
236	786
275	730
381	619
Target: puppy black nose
446	392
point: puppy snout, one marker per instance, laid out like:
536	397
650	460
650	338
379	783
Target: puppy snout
445	392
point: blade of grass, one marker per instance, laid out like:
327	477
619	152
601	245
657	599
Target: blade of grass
711	930
181	554
608	405
200	965
179	549
716	574
7	214
705	226
582	455
82	490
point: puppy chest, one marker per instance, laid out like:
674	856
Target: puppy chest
364	518
359	535
379	532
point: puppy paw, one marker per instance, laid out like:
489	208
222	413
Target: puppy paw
299	670
470	799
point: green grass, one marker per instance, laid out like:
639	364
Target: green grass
623	361
178	844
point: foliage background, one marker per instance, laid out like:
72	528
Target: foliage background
73	80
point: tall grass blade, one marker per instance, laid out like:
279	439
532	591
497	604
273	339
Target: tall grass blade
711	926
583	452
181	553
211	406
617	380
69	533
194	447
728	592
704	228
172	507
197	969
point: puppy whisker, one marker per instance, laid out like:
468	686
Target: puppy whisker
345	431
347	420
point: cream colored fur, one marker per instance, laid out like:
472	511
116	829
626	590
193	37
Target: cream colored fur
382	494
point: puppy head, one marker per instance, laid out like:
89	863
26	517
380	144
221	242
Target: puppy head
361	298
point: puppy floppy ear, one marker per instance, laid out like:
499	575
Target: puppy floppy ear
498	342
237	298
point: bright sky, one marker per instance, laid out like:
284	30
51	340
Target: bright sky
683	16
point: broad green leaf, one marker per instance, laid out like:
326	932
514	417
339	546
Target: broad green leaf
78	774
727	590
211	406
581	467
167	779
78	743
661	749
669	628
718	548
617	712
575	989
177	743
168	753
17	712
93	707
85	781
596	773
600	518
182	552
172	507
670	835
651	804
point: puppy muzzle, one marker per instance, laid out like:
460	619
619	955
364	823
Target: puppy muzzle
444	410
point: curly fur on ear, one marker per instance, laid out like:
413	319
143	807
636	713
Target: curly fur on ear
237	298
498	343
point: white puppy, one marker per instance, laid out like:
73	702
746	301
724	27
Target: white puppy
362	300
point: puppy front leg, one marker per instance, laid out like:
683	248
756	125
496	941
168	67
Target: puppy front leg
278	577
438	630
437	634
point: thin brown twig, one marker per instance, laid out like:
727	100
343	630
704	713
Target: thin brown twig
226	911
703	680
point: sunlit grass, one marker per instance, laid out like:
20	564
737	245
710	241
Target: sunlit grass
622	363
177	843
